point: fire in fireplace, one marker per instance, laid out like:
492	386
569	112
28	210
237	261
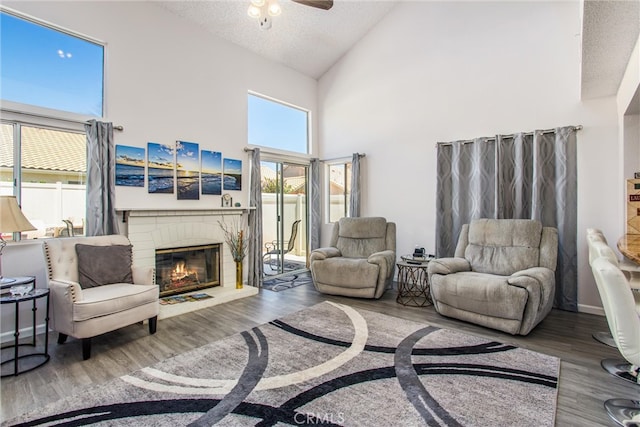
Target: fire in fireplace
180	270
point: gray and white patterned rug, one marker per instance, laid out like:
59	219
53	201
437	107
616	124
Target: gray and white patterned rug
287	281
332	365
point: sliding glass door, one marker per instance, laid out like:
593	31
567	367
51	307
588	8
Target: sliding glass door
284	217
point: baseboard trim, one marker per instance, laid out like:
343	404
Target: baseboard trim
590	309
8	337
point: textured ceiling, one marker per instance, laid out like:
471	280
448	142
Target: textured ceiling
609	32
311	40
304	38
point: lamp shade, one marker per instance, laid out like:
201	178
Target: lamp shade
11	217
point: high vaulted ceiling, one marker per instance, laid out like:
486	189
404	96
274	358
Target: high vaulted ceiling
304	38
311	40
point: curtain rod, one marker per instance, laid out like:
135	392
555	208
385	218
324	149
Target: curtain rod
342	157
118	127
469	141
247	149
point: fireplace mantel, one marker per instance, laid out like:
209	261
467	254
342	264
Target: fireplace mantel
181	212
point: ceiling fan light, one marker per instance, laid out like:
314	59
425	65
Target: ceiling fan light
258	3
274	9
253	11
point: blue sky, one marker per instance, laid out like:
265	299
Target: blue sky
232	166
130	155
160	155
47	68
276	125
187	156
211	161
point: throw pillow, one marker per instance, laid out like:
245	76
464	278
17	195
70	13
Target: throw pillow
103	265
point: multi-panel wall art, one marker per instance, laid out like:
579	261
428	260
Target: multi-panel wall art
183	169
232	174
160	163
188	170
211	172
129	166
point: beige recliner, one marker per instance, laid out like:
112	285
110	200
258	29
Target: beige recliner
360	260
93	308
502	275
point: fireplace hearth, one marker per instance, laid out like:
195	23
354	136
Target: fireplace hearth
186	269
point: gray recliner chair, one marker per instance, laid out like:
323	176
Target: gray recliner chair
360	260
502	275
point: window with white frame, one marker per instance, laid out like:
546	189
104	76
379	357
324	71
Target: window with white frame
338	190
47	68
50	179
52	81
275	124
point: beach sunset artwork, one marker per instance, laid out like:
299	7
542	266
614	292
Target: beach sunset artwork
211	172
160	168
188	170
232	174
129	166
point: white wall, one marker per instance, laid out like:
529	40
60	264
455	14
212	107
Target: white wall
166	80
442	71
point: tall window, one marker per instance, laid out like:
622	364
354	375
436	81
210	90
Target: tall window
277	125
49	68
50	180
56	77
339	190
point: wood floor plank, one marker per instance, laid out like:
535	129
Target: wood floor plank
583	384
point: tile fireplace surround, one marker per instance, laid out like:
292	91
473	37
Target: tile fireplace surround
149	230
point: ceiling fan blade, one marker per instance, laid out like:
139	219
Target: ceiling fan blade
320	4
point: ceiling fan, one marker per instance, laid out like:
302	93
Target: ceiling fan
263	10
320	4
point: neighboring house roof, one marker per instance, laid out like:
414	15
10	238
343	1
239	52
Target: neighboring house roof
267	172
65	151
297	184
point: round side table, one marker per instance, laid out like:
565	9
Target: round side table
413	284
41	357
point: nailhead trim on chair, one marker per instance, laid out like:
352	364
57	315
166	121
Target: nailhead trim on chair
74	296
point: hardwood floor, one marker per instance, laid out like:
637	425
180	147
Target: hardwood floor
583	385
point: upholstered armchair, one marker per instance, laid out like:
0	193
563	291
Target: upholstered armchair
94	288
360	260
502	275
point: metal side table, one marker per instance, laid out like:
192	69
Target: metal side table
413	284
22	361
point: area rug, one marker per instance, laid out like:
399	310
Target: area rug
331	365
273	269
287	281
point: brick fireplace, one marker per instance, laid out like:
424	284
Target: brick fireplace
151	230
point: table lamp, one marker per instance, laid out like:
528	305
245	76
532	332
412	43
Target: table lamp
11	220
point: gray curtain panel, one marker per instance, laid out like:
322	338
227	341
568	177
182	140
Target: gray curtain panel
465	189
101	183
315	208
526	175
354	200
255	221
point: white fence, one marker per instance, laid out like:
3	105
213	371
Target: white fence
295	208
46	205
